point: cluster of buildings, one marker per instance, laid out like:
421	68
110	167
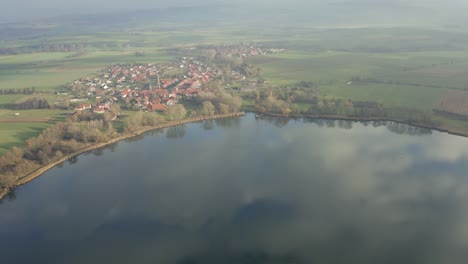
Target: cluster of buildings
99	108
151	87
120	76
247	50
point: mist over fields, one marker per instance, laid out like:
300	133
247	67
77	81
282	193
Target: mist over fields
258	12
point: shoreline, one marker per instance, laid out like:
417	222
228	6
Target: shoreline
357	119
37	173
3	193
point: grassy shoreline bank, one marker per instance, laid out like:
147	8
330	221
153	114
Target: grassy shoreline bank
37	173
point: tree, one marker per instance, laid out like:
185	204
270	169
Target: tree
133	122
11	157
208	109
151	119
115	108
176	112
223	109
286	110
107	117
233	102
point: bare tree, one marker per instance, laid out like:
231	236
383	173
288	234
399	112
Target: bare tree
176	112
208	109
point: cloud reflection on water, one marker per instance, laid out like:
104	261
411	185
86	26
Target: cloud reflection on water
249	190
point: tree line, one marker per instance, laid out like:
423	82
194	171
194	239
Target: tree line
141	119
33	103
219	102
391	82
67	47
52	144
308	102
31	90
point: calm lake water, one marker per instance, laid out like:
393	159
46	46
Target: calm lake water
243	190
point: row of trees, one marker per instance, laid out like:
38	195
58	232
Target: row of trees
52	144
307	102
368	109
271	100
274	105
33	103
43	48
66	47
220	102
397	82
64	138
31	90
141	119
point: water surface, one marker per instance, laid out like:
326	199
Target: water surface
243	190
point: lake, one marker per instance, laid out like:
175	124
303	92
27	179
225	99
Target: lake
246	190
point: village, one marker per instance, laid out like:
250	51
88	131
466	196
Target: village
150	87
247	50
153	87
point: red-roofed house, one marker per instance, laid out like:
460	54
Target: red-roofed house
155	107
99	110
83	107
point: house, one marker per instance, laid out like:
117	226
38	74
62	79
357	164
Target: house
125	93
99	110
192	92
77	100
155	107
105	106
83	107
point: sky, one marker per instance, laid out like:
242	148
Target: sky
14	10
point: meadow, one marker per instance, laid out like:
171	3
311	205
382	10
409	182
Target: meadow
48	71
397	79
16	133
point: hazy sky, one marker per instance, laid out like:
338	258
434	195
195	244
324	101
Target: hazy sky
22	9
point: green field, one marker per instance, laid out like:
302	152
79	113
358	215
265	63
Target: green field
10	98
14	130
37	114
15	134
48	71
396	79
424	98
